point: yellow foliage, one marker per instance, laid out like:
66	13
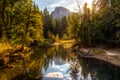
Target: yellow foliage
4	47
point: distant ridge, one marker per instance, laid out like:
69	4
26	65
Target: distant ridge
60	12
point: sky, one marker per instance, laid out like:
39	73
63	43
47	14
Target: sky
69	4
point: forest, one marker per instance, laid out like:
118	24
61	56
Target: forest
25	28
21	21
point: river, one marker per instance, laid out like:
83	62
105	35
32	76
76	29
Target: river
58	63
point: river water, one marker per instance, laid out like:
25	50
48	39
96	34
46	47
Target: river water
58	63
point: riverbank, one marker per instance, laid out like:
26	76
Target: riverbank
108	55
111	56
11	53
39	58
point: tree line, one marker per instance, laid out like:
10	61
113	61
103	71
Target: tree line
54	28
21	21
99	24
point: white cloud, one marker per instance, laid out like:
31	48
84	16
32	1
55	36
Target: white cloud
58	3
71	5
51	4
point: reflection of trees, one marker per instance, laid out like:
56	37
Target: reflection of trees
8	73
43	57
74	70
98	70
36	60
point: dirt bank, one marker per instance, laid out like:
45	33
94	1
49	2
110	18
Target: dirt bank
111	56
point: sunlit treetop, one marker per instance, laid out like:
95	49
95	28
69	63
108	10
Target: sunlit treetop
89	3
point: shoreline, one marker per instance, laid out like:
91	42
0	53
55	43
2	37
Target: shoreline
111	58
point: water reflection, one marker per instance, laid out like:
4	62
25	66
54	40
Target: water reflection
59	63
92	69
57	71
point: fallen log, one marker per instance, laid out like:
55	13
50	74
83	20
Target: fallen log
81	53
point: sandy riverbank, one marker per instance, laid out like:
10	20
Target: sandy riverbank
111	56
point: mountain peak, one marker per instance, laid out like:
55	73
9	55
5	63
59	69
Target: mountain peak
60	12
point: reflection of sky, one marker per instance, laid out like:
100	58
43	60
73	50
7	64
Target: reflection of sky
57	72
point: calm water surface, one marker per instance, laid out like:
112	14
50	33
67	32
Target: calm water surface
58	63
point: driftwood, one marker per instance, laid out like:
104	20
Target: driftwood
82	54
76	48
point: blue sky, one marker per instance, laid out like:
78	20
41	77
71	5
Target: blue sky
51	4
